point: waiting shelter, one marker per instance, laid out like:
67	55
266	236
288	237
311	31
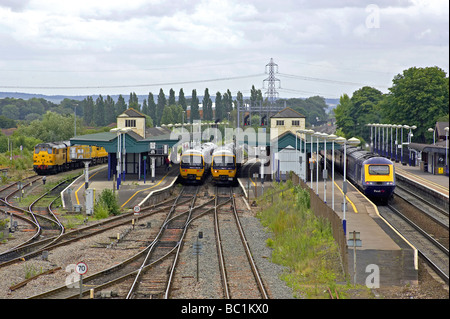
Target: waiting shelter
132	147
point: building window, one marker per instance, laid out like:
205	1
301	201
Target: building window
280	123
130	123
295	123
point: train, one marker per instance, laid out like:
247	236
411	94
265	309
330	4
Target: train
372	174
195	163
55	157
225	164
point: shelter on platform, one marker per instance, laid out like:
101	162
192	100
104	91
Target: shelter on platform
132	145
433	158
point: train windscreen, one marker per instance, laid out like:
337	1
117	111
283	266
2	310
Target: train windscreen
188	161
378	169
223	162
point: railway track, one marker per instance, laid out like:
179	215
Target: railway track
430	250
126	272
240	276
46	225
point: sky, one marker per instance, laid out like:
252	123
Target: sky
321	47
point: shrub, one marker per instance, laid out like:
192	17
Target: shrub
107	204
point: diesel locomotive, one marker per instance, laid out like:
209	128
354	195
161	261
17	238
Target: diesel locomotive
55	157
373	175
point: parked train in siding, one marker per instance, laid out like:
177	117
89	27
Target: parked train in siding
225	164
195	163
373	175
55	157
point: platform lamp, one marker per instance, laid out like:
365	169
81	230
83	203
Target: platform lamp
446	149
375	125
371	136
118	156
325	173
410	135
296	150
398	126
317	135
434	136
352	142
310	133
332	138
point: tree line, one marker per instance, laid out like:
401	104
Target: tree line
418	96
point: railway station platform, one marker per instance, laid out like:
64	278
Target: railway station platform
132	191
384	254
433	187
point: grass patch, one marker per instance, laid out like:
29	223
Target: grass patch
301	241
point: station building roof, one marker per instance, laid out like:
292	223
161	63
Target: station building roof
287	139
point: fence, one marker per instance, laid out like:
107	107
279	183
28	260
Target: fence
322	210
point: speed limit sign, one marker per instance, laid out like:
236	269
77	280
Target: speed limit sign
81	268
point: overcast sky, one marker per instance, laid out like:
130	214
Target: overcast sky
321	47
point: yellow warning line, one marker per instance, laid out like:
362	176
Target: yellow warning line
76	192
145	189
351	203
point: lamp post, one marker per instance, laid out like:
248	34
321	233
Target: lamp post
434	136
371	136
396	142
117	130
325	173
296	151
310	132
332	138
376	140
317	135
410	135
446	149
352	141
391	153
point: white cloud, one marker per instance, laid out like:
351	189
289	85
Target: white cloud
164	41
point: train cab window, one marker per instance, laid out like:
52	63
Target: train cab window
191	161
378	169
223	161
50	150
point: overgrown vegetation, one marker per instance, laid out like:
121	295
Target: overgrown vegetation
301	241
107	204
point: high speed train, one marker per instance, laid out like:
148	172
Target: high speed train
225	164
195	163
373	174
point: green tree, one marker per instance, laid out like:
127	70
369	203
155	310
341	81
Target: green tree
144	109
88	110
182	100
160	106
171	100
344	120
109	111
121	106
151	107
419	97
219	108
207	106
99	111
133	102
195	114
